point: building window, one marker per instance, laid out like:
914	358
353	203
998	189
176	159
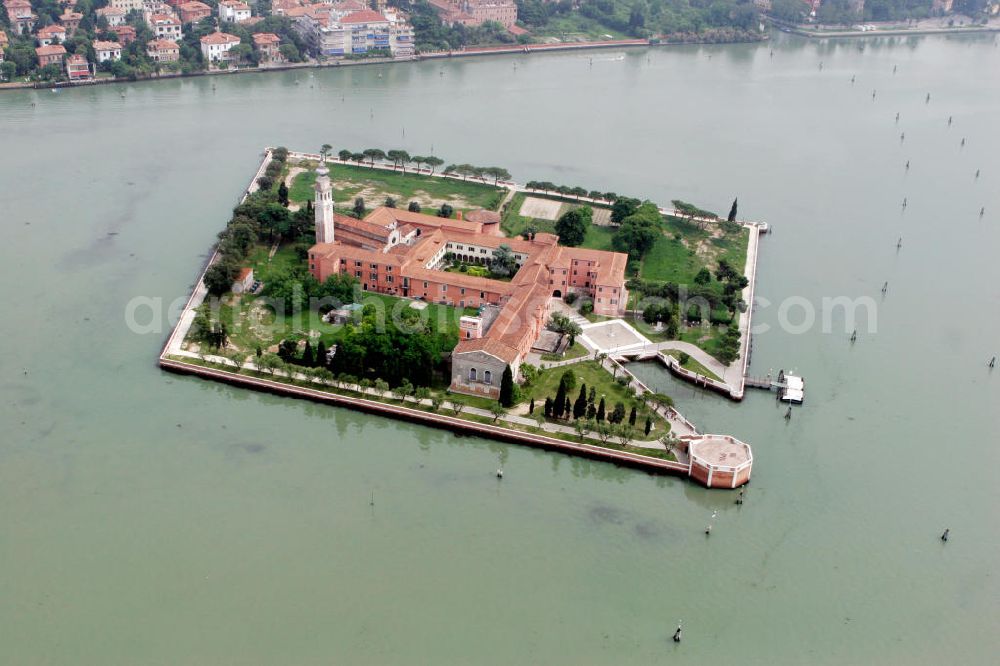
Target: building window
357	274
444	287
358	264
488	377
388	278
425	285
482	294
472	374
463	291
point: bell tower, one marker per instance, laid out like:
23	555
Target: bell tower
323	206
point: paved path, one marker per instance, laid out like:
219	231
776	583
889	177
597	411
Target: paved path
510	418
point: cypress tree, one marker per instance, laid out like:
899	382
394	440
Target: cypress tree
507	388
631	417
732	211
547	409
649	425
558	405
531	406
600	410
321	354
591	411
580	406
308	359
592	396
567	407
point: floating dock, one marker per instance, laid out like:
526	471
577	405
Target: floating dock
791	388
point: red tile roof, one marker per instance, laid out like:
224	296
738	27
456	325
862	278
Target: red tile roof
50	50
364	16
220	38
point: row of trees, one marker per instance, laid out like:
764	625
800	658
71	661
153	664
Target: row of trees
567	191
399	158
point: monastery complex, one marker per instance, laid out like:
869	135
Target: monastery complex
401	253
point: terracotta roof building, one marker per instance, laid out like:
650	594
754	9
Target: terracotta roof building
163	50
50	55
215	46
106	51
397	252
51	34
267	45
126	34
192	12
77	68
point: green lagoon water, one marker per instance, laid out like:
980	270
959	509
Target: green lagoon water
152	519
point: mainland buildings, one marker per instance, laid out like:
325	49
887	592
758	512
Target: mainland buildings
396	252
343	29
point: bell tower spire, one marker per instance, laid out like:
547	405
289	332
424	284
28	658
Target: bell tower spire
323	206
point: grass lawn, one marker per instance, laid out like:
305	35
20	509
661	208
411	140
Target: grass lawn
253	325
576	24
685	249
576	351
377	184
693	365
513	223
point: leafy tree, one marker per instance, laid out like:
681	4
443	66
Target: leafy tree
582	427
345	155
572	226
413	207
399	158
503	262
324	151
220	276
283	194
359	207
381	387
390	202
497	410
618	414
374	154
703	276
433	162
623	207
445	210
638	232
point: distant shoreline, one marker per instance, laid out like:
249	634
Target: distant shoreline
888	32
502	49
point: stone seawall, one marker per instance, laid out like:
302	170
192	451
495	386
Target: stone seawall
624	458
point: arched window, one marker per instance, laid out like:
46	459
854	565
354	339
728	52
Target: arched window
472	374
488	377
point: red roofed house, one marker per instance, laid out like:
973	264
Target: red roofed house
192	12
215	46
50	55
244	281
113	15
51	34
165	26
126	34
77	68
267	44
22	19
106	51
393	251
233	11
71	21
163	50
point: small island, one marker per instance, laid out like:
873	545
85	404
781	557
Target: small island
452	296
